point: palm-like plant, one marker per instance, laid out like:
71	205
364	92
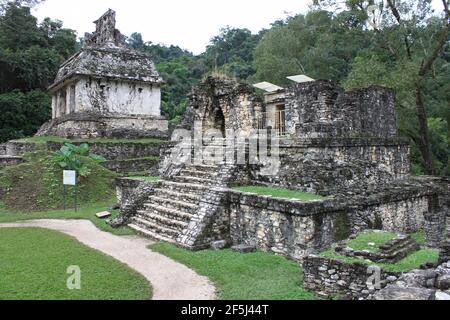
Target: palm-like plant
70	157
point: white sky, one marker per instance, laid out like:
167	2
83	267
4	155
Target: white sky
189	24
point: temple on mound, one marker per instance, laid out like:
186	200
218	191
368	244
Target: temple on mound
106	90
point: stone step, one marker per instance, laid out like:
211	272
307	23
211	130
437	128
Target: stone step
181	196
401	253
169	212
150	234
183	187
155	227
169	222
399	245
203	167
198	174
195	180
175	204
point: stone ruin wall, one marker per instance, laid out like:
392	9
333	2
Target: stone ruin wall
216	98
320	109
93	125
330	167
332	278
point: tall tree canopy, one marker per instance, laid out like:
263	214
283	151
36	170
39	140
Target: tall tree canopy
30	54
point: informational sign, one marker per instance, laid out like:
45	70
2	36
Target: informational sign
69	178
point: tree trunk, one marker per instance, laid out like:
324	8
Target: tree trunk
425	148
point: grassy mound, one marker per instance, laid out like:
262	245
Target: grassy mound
39	272
36	185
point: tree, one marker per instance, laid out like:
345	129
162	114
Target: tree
317	44
135	41
21	114
30	55
232	52
411	40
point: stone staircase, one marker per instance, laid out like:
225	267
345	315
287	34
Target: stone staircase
168	211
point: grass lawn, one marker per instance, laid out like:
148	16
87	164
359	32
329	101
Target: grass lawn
280	193
413	261
254	276
44	140
86	213
361	242
34	262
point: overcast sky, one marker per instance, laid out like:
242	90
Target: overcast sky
189	24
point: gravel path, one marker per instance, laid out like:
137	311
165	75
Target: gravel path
170	280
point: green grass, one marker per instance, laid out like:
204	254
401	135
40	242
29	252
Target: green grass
413	261
84	213
34	263
279	193
361	242
44	140
254	276
144	178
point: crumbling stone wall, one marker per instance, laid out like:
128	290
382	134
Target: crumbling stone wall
334	278
320	109
328	166
222	104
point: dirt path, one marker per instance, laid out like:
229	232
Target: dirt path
170	280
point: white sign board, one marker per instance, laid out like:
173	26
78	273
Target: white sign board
69	178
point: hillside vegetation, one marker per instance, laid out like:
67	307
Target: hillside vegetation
36	185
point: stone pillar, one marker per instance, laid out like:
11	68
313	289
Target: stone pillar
444	255
68	101
58	104
435	223
54	106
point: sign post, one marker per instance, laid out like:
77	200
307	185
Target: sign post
70	179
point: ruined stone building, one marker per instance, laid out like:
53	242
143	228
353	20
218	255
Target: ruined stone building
341	145
106	89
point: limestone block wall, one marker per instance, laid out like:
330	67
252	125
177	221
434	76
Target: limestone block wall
117	150
333	278
126	187
400	216
96	125
330	166
321	109
290	228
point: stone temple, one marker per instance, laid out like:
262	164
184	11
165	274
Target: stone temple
106	90
342	145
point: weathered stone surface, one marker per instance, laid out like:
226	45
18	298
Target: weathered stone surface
106	89
443	282
400	293
348	280
219	245
102	215
442	296
243	248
